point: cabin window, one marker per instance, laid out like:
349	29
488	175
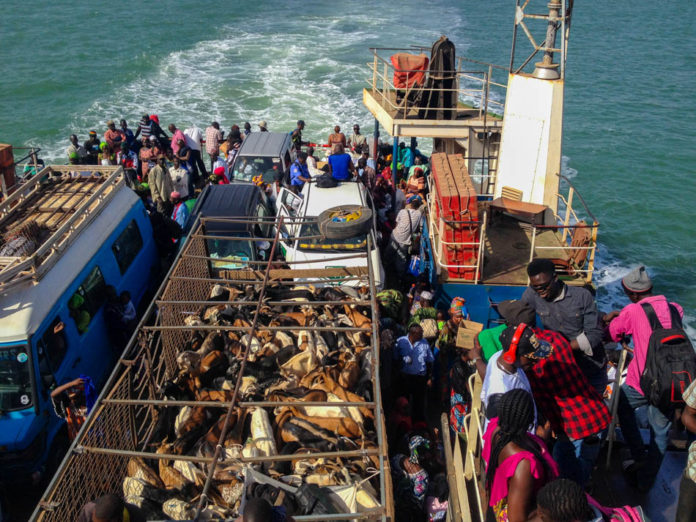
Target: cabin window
53	345
87	300
127	246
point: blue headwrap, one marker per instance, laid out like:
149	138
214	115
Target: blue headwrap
414	444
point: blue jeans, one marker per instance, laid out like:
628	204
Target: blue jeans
629	401
576	458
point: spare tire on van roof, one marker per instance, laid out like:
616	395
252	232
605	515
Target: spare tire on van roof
345	221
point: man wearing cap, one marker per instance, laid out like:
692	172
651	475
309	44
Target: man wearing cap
263	126
161	186
92	149
113	136
574	409
571	311
633	321
296	136
299	173
506	369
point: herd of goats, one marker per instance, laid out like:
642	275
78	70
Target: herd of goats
308	346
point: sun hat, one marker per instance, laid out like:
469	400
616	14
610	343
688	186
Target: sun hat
637	280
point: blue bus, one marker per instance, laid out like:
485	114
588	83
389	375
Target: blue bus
67	235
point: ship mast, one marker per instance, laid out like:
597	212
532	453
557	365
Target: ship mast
530	150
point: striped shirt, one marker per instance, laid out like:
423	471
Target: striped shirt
145	129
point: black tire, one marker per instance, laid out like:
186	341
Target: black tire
360	221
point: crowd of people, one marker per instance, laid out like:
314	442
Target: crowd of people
545	383
544	393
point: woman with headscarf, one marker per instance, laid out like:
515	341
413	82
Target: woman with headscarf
518	463
446	344
410	477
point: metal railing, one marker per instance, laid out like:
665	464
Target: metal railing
475	91
122	424
84	190
574	236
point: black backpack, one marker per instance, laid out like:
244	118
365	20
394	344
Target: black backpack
670	365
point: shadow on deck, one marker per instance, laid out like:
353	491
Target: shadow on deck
507	252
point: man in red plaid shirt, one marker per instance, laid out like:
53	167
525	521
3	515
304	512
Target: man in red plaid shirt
575	410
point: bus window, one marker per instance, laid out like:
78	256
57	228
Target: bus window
89	297
127	246
54	344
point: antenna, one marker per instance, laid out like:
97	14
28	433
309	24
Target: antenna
557	19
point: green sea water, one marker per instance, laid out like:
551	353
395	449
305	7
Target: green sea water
629	133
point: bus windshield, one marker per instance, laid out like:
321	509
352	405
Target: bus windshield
15	382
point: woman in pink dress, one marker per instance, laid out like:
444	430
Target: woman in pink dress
518	463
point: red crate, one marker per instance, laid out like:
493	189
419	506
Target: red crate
456	213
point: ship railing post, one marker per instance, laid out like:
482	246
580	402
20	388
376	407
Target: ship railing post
566	220
374	74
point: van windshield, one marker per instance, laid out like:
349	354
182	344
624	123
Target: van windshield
229	254
324	244
15	382
247	167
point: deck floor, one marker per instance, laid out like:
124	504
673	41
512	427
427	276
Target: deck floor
507	248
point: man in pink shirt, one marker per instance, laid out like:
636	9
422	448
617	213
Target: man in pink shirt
176	136
633	321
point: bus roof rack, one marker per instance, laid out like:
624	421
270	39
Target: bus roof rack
40	219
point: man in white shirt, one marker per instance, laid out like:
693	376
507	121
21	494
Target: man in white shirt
505	370
180	179
193	136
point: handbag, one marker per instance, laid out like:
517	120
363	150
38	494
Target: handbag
414	266
414	247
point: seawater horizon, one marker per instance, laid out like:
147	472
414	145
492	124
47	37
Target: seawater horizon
625	145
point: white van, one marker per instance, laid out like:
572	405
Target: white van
311	202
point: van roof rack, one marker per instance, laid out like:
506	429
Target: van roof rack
47	213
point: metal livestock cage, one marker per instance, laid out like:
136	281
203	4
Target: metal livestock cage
123	425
